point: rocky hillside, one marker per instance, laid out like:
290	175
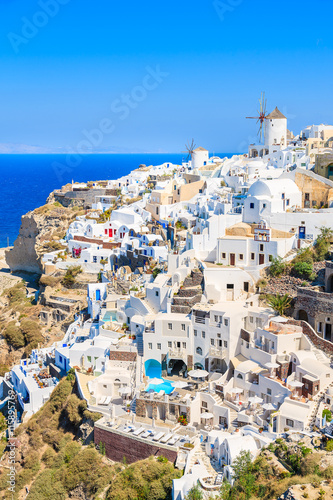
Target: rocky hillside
39	233
57	459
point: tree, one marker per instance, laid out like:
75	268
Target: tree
156	271
195	493
245	480
323	243
280	303
70	276
277	267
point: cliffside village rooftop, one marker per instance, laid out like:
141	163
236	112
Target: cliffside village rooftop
174	348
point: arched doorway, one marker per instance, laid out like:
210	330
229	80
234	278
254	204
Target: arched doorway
153	368
177	367
303	315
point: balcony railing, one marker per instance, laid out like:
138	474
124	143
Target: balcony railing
217	352
176	353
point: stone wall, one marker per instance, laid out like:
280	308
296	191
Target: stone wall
118	446
318	342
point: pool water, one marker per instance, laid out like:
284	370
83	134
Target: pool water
166	387
110	316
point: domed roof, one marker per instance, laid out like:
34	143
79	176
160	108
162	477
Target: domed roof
259	188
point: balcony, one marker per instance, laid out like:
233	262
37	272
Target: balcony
177	353
264	347
217	352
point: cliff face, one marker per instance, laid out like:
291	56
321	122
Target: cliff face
38	228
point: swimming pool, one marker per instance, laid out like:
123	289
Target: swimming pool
110	316
166	387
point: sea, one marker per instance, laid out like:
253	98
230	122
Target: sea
27	180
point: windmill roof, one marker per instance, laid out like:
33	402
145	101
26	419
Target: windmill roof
201	149
276	114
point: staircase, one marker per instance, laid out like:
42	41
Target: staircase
200	455
217	399
133	405
189	294
233	418
139	344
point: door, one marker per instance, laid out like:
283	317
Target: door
230	292
301	232
232	259
98	295
328	331
110	233
261	259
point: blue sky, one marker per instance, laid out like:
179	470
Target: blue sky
62	77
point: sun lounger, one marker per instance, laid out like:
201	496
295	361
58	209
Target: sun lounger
102	400
147	434
173	441
174	395
108	400
161	393
166	438
126	429
138	431
158	436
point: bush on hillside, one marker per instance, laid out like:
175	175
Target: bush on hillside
277	267
14	335
303	270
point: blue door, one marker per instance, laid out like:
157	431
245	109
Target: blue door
98	295
301	232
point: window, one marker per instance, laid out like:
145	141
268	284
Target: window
89	359
184	345
225	343
156	293
290	423
251	205
241	256
264	205
246	286
203	335
204	404
261	248
252	256
218	335
216	319
307	196
212	342
94	259
150	346
159	346
105	386
226	322
283	196
156	210
223	255
288	202
320	327
183	327
169	326
240	376
199	351
269	392
195	332
169	344
270	258
251	319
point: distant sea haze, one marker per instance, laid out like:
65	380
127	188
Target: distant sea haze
27	180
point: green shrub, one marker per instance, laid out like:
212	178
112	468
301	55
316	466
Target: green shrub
277	267
303	270
329	445
328	415
14	335
47	487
